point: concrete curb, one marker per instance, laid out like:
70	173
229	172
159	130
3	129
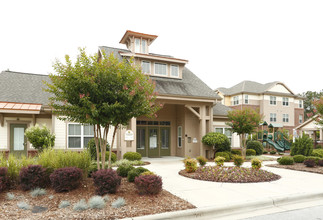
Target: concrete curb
208	212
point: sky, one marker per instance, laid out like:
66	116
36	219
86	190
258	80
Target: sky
225	42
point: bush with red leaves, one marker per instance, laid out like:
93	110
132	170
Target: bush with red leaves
66	179
149	184
320	163
32	177
310	162
106	181
4	178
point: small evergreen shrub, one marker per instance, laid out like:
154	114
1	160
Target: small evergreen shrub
106	181
118	203
302	145
190	165
257	146
256	163
23	205
66	179
265	152
4	179
219	161
123	162
38	192
219	141
32	177
202	160
132	156
141	169
113	157
148	184
285	160
236	152
124	170
299	158
273	152
250	152
63	204
310	162
96	202
223	154
147	173
80	205
132	174
317	153
320	163
238	160
92	148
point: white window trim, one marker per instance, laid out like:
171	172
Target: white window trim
149	66
160	74
179	136
141	46
300	103
287	103
82	136
236	100
273	101
285	118
246	99
171	71
223	132
300	119
273	114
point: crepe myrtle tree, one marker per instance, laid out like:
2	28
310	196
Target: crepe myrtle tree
243	122
318	103
103	92
219	141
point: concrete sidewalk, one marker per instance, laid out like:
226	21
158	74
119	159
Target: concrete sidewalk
214	196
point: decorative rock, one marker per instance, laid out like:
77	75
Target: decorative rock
39	209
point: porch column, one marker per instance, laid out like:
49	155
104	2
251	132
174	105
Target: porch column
1	120
321	134
202	129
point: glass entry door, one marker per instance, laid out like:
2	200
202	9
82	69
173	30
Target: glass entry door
164	141
18	141
141	141
153	146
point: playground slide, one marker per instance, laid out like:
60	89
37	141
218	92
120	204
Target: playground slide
283	145
279	148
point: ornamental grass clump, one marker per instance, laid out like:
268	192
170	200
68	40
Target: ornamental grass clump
38	192
190	165
202	160
63	204
80	206
106	181
238	160
23	205
96	202
33	176
149	184
118	203
219	161
256	163
10	196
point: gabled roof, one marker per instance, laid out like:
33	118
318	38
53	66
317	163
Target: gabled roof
190	85
23	88
308	121
254	88
220	110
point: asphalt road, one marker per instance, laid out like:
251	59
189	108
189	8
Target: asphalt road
311	213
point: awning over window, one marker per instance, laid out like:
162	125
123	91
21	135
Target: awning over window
19	108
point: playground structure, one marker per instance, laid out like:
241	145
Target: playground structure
274	139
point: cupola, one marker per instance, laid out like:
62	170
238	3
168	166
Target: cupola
137	42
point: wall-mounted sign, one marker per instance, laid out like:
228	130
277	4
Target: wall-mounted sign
129	136
194	140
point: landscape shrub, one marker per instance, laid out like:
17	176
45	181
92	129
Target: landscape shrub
320	163
302	145
265	152
250	152
132	174
113	156
317	153
92	148
33	176
257	146
202	160
310	162
118	203
106	181
148	184
54	159
299	158
132	156
219	161
38	192
285	160
316	159
273	152
236	152
40	138
238	160
122	162
124	170
4	179
147	173
219	141
256	163
190	165
66	179
223	154
96	202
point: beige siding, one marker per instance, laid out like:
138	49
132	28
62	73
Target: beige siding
60	133
279	88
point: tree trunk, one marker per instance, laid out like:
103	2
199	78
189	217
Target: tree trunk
243	145
97	146
110	150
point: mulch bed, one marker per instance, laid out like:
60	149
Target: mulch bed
299	167
231	174
136	205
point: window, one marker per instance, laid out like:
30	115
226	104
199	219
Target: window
225	131
300	104
272	117
137	45
145	65
179	136
273	100
143	46
285	118
246	99
79	135
160	69
219	130
300	118
236	100
174	70
285	101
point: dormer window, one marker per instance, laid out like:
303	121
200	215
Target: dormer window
174	70
140	46
145	65
161	69
137	45
143	46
